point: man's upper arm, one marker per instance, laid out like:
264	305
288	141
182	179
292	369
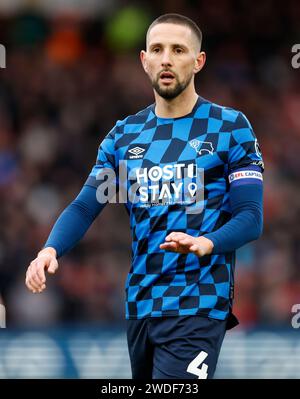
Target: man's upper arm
105	161
245	162
244	148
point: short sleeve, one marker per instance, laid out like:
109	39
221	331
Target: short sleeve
244	149
105	161
245	165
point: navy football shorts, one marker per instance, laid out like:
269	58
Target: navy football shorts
183	347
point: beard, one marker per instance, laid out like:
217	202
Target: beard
169	93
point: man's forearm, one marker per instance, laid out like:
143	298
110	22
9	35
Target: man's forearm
74	221
246	223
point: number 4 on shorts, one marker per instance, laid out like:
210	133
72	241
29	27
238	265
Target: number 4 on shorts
194	368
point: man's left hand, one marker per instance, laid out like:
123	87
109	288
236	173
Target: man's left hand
184	243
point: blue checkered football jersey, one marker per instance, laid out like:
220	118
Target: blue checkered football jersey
156	157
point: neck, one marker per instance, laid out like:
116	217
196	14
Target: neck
180	106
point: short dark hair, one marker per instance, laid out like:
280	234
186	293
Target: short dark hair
178	19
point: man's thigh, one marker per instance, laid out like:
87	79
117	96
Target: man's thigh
186	347
140	349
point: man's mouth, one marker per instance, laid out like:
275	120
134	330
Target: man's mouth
167	77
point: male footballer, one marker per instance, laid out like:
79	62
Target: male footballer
193	189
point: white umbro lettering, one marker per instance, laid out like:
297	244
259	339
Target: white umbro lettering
136	152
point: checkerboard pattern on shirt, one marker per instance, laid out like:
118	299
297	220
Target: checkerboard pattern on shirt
215	139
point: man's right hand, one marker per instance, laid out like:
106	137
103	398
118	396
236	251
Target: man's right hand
35	275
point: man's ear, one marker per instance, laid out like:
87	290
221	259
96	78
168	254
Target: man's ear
200	61
143	60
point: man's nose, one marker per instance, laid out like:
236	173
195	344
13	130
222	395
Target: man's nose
166	58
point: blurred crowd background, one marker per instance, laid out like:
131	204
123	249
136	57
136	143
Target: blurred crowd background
72	70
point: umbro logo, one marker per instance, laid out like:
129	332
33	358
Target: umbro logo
137	152
202	147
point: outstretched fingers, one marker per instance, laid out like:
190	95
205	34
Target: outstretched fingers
169	246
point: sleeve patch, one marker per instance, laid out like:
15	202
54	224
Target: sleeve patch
245	174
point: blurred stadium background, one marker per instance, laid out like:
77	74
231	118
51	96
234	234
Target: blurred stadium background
72	70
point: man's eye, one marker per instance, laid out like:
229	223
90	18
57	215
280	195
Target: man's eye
178	50
156	50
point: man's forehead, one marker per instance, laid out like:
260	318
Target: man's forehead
168	33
